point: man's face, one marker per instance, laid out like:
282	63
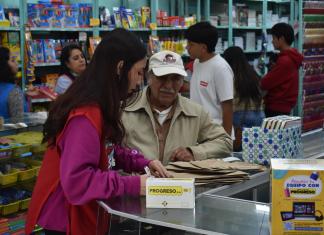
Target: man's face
195	49
164	89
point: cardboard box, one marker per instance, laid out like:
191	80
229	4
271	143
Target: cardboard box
297	196
170	193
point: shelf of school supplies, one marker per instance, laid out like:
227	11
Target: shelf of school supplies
271	1
9	29
136	30
247	27
47	64
252	51
221	26
41	100
61	29
310	57
171	28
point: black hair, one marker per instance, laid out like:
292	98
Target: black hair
6	74
203	32
283	30
65	56
246	80
100	85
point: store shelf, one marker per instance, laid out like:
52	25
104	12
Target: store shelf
136	30
61	29
247	28
171	28
221	26
252	51
9	29
42	100
47	64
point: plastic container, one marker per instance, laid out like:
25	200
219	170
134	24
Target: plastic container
24	204
10	208
26	174
9	178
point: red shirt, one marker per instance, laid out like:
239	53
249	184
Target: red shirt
281	82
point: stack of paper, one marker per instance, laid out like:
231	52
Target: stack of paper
213	171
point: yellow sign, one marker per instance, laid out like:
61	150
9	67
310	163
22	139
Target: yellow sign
165	190
94	22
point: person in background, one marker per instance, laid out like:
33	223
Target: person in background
247	103
167	126
84	132
281	82
11	96
211	84
73	63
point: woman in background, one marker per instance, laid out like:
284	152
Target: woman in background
247	110
73	63
11	96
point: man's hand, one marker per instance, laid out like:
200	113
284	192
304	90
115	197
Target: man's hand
181	154
158	170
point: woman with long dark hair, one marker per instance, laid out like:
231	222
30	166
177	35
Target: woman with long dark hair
11	96
247	110
84	132
73	63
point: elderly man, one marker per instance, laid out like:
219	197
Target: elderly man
166	126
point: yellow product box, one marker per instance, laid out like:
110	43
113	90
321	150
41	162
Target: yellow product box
297	196
170	193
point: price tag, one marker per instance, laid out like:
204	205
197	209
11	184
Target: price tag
94	22
153	26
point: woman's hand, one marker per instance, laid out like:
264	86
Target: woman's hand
158	170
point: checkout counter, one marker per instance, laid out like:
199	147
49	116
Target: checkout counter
237	209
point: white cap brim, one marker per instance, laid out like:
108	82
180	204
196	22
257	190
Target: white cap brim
168	70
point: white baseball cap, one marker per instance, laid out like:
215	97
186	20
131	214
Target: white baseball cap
166	62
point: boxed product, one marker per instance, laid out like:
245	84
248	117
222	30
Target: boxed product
297	196
170	193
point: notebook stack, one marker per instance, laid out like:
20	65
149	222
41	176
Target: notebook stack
281	122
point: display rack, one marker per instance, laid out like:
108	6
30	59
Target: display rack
313	50
202	9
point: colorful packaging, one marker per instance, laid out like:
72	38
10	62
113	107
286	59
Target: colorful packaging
2	14
85	13
58	49
49	51
37	51
12	14
170	193
131	18
297	196
33	14
59	15
117	17
46	16
71	16
105	17
124	19
146	17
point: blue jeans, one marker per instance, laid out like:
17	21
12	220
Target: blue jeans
248	119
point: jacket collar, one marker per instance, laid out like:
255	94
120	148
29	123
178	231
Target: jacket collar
183	106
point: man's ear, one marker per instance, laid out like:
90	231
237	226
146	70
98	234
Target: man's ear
120	67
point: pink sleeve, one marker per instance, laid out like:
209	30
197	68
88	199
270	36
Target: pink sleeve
130	160
81	179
